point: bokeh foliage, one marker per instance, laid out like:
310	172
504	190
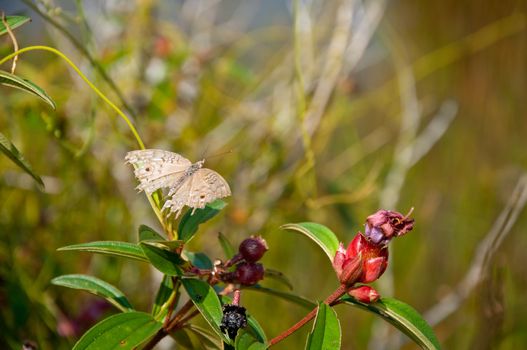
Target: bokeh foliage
203	78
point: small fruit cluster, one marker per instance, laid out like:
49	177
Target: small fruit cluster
247	272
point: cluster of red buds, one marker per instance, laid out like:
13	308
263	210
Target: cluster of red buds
366	257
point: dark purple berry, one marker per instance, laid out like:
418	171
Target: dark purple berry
252	249
249	273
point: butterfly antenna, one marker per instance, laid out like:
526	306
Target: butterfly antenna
204	152
221	154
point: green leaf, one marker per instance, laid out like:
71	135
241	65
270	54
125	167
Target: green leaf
279	277
12	153
226	245
14	81
162	259
123	249
299	300
200	260
403	317
184	339
245	341
195	337
13	22
163	293
325	334
95	286
322	236
123	331
207	302
188	226
147	233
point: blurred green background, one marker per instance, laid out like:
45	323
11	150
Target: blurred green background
331	110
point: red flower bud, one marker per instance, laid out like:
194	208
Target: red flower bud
362	262
252	249
364	294
382	226
249	273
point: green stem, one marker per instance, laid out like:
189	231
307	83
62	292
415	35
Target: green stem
83	51
90	84
101	95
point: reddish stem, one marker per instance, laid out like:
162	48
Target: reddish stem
340	291
236	297
180	314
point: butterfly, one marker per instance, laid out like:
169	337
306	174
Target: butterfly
189	183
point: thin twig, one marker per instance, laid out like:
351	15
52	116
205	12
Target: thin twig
484	254
332	67
84	51
479	267
340	291
13	39
433	131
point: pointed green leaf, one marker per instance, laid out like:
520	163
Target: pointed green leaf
278	276
322	236
325	334
403	317
196	337
184	339
124	249
14	81
12	153
147	233
163	293
246	341
200	260
95	286
226	245
297	299
162	259
13	22
188	226
207	302
123	331
172	246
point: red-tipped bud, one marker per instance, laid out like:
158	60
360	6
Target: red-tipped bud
382	226
252	249
362	262
364	294
249	273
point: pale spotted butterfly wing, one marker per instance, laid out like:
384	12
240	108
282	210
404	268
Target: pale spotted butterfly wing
189	184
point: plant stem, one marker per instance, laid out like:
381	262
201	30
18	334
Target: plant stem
180	315
236	297
173	324
155	339
84	51
184	320
13	39
340	291
90	84
102	96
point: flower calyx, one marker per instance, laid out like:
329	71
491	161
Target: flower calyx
361	262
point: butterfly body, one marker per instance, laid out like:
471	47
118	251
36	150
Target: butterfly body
189	183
